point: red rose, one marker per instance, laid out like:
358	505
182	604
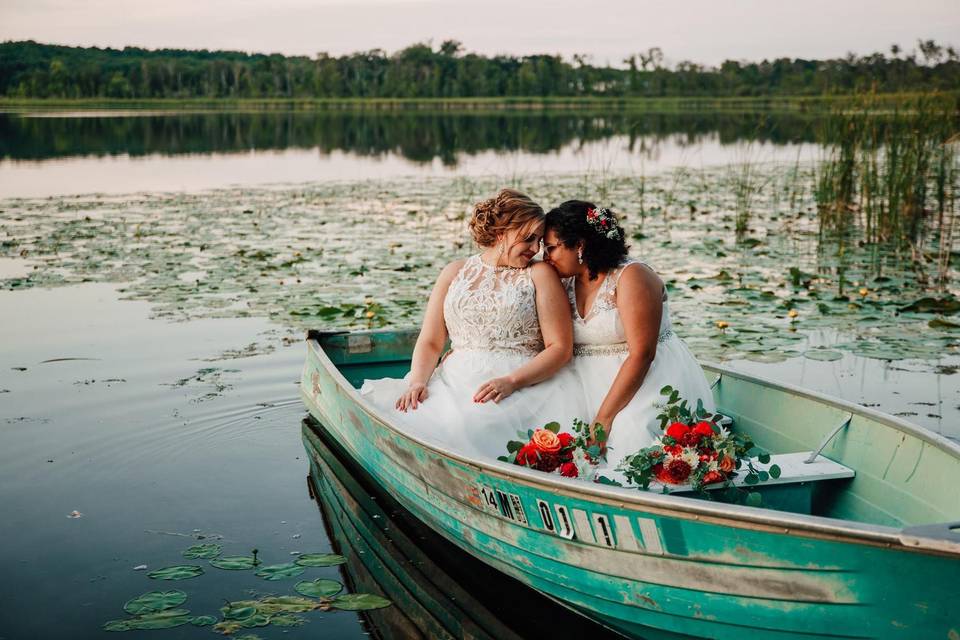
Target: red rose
690	439
677	430
569	470
678	470
673	449
548	462
527	455
704	429
711	477
565	440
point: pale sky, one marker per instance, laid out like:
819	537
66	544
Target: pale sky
704	31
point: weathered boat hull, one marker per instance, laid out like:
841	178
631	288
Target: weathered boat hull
647	564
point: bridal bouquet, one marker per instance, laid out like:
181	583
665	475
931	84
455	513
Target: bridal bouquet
695	449
548	450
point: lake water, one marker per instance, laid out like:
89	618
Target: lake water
157	272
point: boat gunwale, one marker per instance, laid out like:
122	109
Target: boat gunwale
737	516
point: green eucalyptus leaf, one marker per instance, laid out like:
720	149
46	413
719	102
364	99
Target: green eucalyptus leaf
763	458
203	551
552	426
360	602
752	478
319	559
179	572
234	563
155	601
319	588
280	571
774	471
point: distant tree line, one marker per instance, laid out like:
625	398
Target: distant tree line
32	70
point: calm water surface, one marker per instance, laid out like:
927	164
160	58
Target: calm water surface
151	342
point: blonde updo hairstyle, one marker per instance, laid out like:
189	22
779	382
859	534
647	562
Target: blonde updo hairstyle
509	209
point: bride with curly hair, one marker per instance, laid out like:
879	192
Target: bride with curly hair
510	332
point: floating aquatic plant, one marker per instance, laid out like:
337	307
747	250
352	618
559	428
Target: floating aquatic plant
280	571
203	551
319	559
155	601
319	588
359	602
179	572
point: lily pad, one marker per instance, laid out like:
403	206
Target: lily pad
179	572
319	588
203	621
287	620
234	563
286	604
157	621
116	625
238	610
823	355
360	602
280	571
155	601
256	620
203	551
319	560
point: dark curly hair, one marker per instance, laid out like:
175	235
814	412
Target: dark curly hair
600	253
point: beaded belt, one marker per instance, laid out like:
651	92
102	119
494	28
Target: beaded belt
612	349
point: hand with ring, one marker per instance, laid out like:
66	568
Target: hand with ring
496	389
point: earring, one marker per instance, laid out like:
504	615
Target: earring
501	249
580	255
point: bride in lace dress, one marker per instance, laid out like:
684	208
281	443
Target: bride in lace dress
509	328
625	349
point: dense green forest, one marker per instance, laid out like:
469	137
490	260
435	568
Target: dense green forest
33	70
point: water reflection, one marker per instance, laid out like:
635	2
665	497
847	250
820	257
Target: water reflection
414	135
438	591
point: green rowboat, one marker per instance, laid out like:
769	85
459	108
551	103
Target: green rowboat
864	545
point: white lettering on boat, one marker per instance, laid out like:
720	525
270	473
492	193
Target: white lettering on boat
518	511
564	523
546	516
489	499
650	535
625	538
602	526
584	531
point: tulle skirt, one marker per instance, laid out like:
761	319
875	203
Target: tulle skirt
449	416
636	426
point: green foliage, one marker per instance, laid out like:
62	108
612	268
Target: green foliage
31	69
235	563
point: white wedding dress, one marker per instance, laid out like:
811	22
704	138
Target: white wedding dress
600	347
491	318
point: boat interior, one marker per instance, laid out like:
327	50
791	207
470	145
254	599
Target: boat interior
838	460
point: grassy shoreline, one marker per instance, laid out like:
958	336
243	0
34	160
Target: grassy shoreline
758	103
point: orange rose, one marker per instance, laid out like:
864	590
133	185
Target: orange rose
546	441
727	464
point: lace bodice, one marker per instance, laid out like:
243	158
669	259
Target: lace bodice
602	324
491	309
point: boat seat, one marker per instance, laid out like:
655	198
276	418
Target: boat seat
800	485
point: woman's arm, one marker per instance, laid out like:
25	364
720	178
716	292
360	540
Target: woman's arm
640	303
433	335
556	325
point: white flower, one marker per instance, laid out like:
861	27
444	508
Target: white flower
723	434
691	457
586	470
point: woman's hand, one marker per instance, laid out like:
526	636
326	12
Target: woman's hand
415	394
600	433
496	389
